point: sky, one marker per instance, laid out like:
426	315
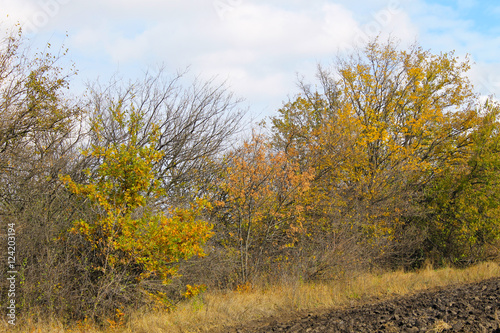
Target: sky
259	48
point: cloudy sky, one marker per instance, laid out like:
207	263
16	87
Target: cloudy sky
258	47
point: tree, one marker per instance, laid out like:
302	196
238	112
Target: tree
386	124
463	202
130	241
195	124
257	204
32	90
39	128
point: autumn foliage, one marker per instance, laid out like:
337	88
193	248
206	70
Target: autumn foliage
130	239
259	211
138	196
391	137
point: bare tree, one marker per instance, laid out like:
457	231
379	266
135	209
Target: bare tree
196	124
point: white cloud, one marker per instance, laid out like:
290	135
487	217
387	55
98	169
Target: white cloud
257	45
339	23
486	78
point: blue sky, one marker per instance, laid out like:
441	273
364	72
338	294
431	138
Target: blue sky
258	47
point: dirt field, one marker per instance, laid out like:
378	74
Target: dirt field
461	308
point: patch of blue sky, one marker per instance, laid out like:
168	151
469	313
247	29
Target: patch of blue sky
481	16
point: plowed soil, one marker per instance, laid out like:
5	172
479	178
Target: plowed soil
460	308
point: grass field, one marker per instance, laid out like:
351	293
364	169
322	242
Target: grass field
218	309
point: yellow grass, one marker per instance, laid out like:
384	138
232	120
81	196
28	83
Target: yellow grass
219	310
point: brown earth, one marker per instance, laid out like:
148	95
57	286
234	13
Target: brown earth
461	308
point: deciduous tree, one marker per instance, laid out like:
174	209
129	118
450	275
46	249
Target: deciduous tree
258	206
386	124
133	244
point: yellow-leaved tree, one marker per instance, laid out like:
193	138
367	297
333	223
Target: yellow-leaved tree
133	245
387	127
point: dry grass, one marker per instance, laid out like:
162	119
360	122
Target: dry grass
216	310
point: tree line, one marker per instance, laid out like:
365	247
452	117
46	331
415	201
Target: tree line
136	195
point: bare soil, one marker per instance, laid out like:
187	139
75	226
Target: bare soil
460	308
